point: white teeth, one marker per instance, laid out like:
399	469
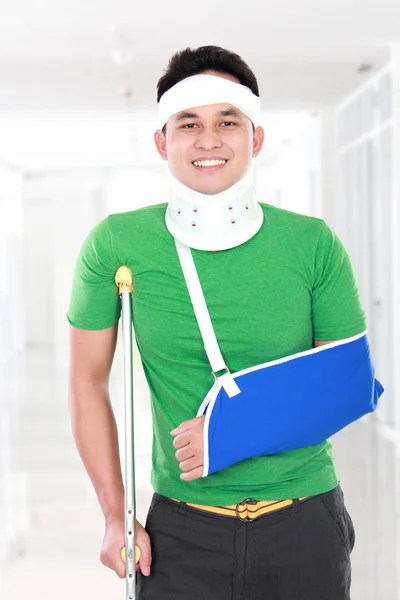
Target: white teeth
208	163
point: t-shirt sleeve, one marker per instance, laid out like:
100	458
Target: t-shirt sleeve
337	311
94	300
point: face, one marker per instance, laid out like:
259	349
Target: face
217	132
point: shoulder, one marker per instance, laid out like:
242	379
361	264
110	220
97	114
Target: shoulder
150	214
138	230
288	222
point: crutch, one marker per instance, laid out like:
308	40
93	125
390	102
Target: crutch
130	553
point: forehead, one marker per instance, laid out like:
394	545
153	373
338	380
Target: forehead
208	110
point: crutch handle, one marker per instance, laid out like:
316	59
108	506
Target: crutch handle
137	554
123	279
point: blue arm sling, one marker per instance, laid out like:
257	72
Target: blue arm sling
289	404
297	401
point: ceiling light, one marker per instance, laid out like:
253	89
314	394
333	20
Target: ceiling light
365	68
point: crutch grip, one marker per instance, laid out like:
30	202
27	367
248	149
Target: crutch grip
137	554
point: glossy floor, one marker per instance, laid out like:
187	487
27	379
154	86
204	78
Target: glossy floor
51	527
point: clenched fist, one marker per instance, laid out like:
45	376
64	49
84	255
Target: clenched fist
190	447
114	541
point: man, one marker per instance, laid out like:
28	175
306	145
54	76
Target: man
275	283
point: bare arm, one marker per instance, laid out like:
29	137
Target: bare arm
92	417
96	437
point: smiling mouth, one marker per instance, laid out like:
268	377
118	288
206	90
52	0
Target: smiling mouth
209	165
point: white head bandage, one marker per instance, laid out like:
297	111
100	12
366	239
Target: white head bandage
201	90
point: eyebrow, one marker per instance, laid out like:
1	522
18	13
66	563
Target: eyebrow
221	113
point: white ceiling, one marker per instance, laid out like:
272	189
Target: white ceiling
58	53
83	56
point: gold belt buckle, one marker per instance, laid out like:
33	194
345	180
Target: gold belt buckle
250	501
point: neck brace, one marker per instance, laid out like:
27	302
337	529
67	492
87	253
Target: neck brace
213	221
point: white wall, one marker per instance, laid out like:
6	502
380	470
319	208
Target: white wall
129	188
60	209
362	205
13	288
288	171
361	201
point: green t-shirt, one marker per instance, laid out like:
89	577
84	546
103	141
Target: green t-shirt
268	298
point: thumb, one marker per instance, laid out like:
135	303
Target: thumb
184	427
143	541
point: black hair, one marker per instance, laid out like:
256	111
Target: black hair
188	62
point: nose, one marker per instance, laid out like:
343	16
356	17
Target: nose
208	138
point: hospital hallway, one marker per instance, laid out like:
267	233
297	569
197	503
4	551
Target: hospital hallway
90	180
52	527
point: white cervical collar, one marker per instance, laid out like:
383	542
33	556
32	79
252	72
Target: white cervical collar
213	221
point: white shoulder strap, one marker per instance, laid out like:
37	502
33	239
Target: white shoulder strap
203	319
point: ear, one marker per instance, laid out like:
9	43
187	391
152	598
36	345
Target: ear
161	144
258	141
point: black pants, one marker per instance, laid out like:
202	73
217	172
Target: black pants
297	553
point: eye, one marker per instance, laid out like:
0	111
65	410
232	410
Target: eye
228	122
189	125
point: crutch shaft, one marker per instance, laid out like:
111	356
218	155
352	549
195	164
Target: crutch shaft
124	282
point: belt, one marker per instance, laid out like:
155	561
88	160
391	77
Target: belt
248	510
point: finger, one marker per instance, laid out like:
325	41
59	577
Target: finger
194	474
185	453
190	464
145	553
181	440
113	560
184	426
119	567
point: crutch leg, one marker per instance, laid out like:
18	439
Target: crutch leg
131	553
